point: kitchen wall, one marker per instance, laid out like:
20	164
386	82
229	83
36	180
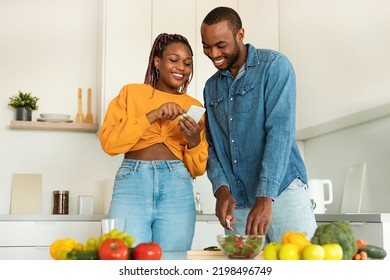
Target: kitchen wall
50	48
340	53
328	157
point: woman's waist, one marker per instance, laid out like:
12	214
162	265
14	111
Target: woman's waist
154	152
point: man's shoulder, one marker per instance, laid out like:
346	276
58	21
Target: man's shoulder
264	54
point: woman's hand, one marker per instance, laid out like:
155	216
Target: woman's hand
168	111
190	130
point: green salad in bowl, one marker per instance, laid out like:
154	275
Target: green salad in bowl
241	246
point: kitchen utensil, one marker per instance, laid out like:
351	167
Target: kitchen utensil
80	116
353	188
88	117
229	226
318	190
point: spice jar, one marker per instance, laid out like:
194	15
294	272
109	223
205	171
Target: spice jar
60	202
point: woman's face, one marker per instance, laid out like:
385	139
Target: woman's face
175	67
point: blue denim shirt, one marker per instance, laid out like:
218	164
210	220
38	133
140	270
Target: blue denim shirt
251	128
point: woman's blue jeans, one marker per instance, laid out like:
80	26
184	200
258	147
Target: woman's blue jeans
156	199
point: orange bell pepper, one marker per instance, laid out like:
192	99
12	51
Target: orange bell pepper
297	238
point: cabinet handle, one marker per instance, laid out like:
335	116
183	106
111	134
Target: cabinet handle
358	223
41	247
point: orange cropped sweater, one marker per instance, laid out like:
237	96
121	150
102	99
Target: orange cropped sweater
126	128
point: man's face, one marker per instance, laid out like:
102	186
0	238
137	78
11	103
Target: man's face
220	45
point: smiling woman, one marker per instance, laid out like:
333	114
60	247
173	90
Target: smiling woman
163	150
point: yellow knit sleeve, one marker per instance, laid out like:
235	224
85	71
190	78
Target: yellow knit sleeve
120	130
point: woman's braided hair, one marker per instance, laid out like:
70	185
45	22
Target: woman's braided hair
159	46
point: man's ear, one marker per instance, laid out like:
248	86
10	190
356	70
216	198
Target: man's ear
240	35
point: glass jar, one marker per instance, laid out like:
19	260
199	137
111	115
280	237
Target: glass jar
60	202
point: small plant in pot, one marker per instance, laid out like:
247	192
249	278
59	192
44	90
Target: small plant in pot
24	103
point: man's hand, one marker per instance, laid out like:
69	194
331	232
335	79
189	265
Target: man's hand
260	216
225	206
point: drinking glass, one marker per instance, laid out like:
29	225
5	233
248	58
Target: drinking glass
109	224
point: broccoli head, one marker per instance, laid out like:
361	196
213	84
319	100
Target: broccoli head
339	231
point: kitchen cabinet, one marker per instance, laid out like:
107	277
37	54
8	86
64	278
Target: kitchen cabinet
374	228
129	28
207	227
334	77
30	236
125	45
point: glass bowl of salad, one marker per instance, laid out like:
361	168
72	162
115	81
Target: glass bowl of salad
241	246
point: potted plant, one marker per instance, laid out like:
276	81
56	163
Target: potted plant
24	103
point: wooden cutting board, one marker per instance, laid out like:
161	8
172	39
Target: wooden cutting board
26	194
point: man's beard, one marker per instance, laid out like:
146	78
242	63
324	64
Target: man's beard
234	57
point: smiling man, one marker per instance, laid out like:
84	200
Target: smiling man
254	165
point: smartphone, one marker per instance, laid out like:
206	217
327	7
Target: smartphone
196	112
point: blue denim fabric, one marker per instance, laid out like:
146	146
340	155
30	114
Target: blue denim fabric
251	128
291	211
156	199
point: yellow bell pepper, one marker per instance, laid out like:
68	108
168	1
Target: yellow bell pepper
297	238
60	248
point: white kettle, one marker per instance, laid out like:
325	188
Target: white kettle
318	190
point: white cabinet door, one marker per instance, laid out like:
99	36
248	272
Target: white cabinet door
31	240
206	234
167	18
126	44
43	233
25	253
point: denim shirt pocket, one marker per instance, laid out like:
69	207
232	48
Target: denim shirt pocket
246	99
216	105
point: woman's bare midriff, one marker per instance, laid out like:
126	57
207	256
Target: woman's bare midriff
154	152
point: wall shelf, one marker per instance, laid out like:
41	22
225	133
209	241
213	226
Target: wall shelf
32	125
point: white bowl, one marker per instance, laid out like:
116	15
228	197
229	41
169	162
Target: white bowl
55	116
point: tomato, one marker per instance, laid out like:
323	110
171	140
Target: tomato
113	249
271	251
333	251
147	251
289	251
313	252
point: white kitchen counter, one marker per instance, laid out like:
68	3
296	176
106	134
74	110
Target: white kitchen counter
52	217
357	217
5	217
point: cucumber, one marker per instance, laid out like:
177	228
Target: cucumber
82	255
374	252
